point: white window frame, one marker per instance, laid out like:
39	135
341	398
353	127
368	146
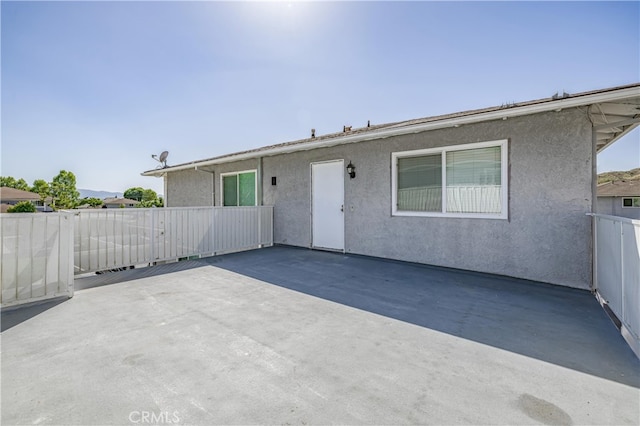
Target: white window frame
631	206
504	175
255	183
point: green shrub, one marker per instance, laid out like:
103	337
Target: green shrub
22	207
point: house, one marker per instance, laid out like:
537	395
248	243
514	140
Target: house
504	190
111	203
620	198
11	196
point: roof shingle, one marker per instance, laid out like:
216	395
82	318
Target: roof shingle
14	194
620	188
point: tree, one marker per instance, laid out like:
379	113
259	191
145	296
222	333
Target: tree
63	190
147	204
22	207
11	182
92	201
135	193
147	197
42	188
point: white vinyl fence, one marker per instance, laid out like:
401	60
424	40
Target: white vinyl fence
41	252
36	257
617	260
114	238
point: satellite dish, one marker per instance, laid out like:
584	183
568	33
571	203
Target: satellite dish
163	158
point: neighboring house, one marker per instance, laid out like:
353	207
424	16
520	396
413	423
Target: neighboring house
505	190
620	198
12	196
114	203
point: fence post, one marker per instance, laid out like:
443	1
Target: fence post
622	280
70	254
259	213
212	230
594	259
153	236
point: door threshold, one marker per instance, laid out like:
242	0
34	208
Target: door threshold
332	250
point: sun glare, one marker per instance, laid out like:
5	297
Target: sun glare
281	14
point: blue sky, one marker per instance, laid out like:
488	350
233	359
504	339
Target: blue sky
97	87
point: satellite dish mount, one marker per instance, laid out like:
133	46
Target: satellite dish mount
162	159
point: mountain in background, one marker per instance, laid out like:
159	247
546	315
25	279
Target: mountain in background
98	194
633	174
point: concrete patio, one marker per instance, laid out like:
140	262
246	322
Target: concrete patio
294	336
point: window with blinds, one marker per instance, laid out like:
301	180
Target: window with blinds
239	189
458	181
473	181
420	183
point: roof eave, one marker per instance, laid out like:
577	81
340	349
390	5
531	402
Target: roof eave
498	114
618	136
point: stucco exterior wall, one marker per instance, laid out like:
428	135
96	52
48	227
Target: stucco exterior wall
613	206
547	236
189	188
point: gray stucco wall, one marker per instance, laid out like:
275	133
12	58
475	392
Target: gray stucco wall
546	238
196	188
613	206
189	188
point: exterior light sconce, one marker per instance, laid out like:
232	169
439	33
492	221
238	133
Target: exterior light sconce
351	169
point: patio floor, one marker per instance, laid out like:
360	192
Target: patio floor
294	336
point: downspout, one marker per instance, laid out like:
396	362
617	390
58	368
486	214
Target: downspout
259	182
165	178
594	203
259	200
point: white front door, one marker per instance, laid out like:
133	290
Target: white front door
327	205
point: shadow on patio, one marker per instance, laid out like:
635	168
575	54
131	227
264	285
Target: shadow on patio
295	336
563	326
10	317
559	325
